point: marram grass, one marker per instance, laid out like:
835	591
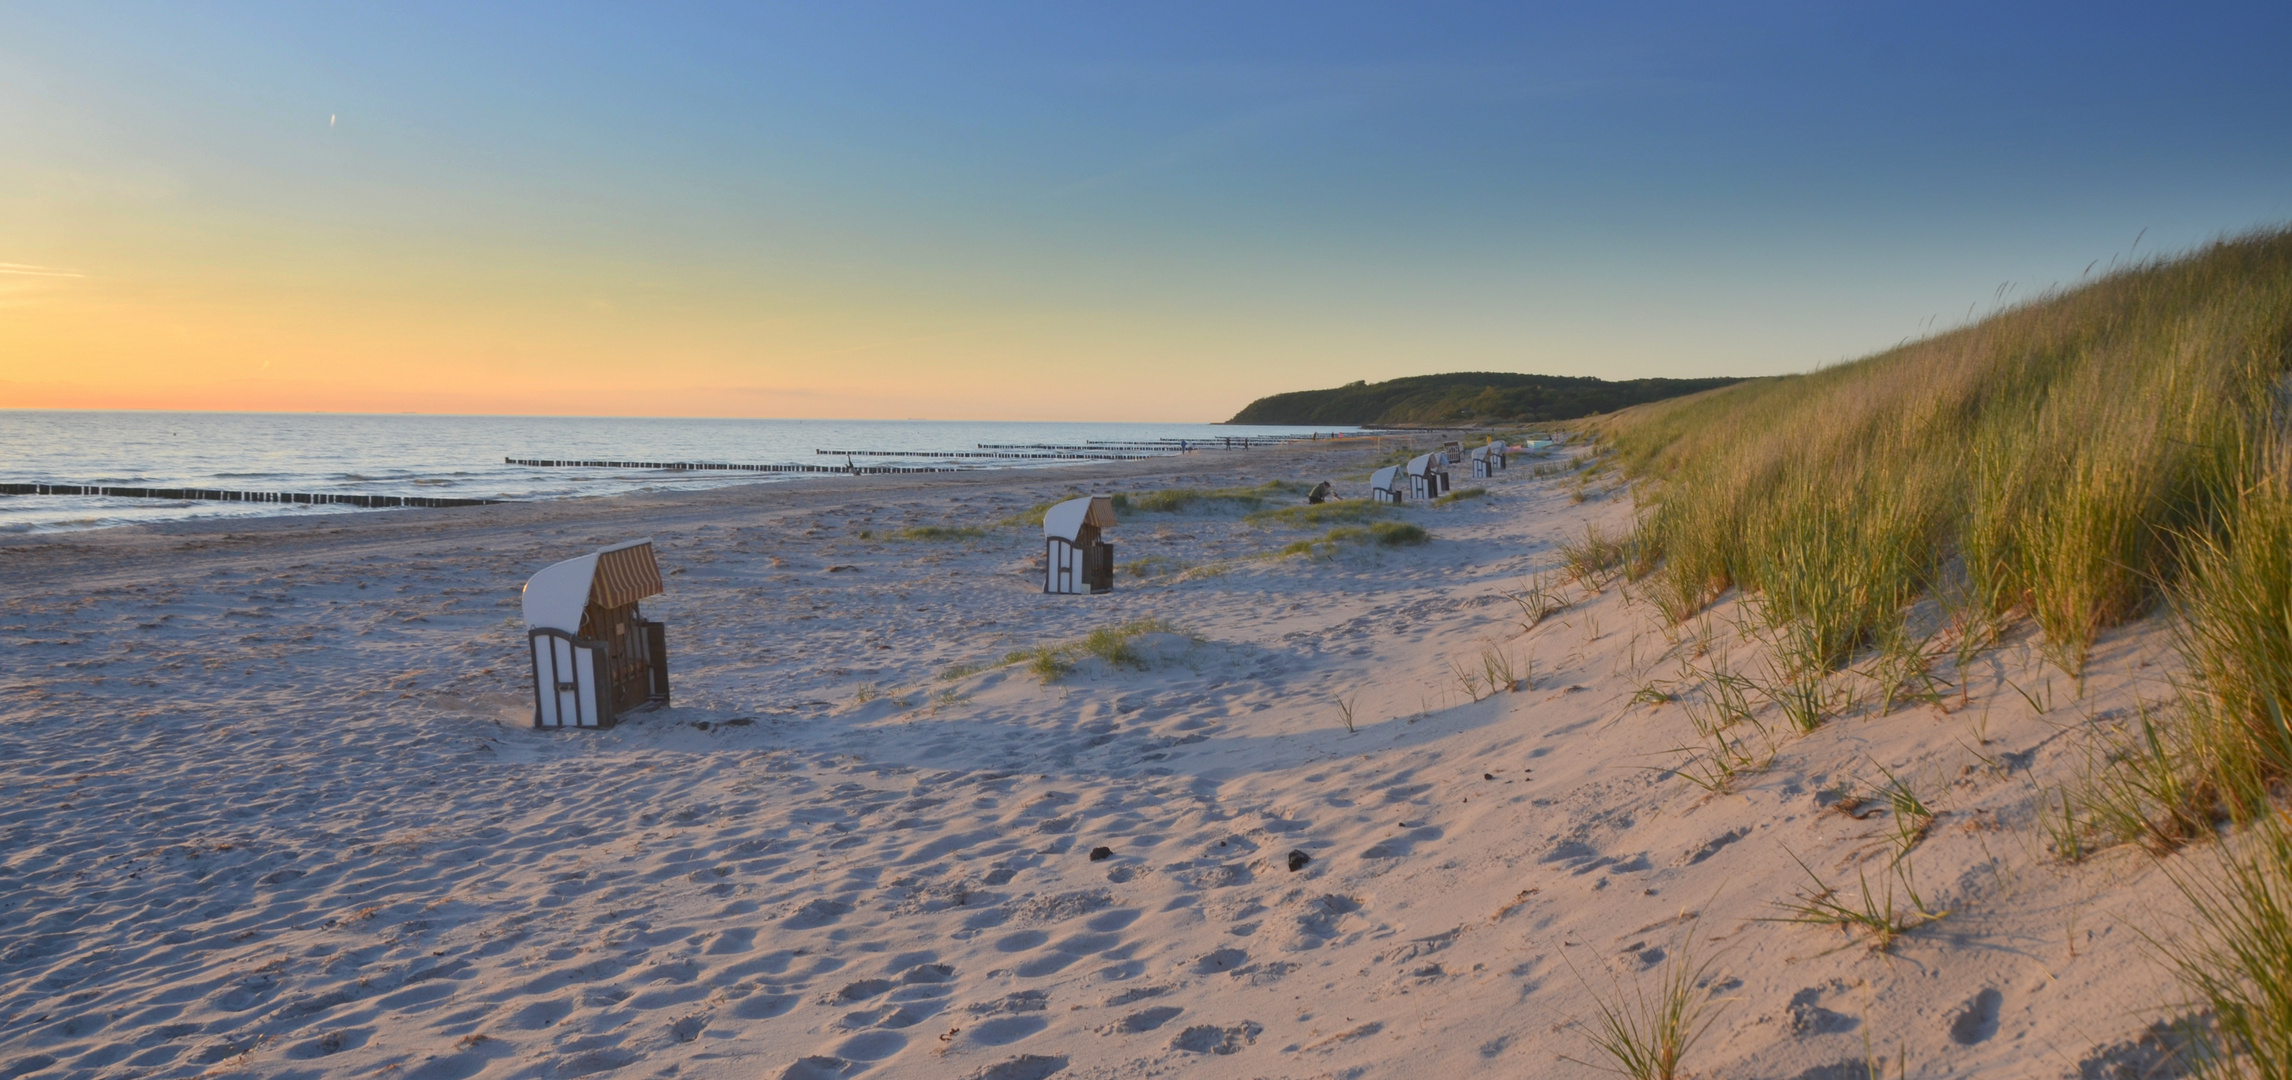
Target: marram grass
2078	461
2052	459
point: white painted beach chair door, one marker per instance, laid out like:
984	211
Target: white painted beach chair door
1062	567
564	683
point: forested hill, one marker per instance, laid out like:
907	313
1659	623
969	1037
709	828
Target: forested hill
1465	397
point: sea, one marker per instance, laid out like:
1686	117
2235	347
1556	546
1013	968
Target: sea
464	456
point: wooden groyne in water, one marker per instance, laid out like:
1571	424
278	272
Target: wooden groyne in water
718	466
1091	454
318	498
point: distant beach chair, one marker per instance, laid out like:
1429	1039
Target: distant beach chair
1488	460
1075	560
1428	476
595	657
1385	485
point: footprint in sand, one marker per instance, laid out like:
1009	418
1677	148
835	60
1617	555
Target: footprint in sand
1021	941
817	913
1211	1039
1006	1030
1023	1067
539	1015
764	1006
1143	1020
1220	960
818	1067
871	1046
1978	1020
1808	1017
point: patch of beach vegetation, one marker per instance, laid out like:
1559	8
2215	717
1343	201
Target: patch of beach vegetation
1154	566
1315	515
1191	500
942	532
1139	644
1391	534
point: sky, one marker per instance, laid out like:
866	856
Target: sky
1071	211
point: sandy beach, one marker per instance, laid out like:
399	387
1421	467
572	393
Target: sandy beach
273	807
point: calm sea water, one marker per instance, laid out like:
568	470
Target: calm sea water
449	456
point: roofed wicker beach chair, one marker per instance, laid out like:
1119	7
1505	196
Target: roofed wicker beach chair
1387	485
1075	559
1428	476
595	657
1487	460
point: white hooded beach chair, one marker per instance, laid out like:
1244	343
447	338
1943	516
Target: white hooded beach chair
1428	476
1075	559
1487	460
594	656
1386	485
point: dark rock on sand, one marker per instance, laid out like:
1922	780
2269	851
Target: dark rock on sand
1297	861
1098	854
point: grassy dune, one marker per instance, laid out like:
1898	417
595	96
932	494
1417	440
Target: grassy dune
2081	460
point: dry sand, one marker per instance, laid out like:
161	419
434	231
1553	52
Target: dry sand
273	807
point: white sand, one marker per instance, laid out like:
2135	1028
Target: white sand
272	807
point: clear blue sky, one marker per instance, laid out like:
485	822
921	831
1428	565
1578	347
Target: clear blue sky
1059	212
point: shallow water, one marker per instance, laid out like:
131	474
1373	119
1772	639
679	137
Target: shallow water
455	456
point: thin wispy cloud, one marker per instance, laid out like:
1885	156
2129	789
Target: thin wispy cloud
28	270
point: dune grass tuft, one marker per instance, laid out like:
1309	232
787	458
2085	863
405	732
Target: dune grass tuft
942	532
2238	957
1116	645
1349	511
1645	1035
1596	560
1878	913
1032	517
1189	500
1460	495
1153	566
1380	534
